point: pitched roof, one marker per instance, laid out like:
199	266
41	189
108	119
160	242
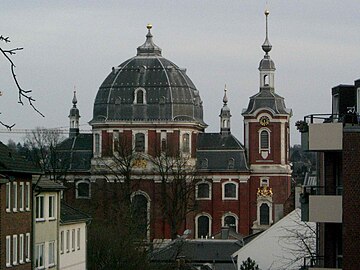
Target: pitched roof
69	214
44	184
13	162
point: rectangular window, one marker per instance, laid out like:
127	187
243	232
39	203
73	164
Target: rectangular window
73	239
97	144
15	196
15	249
78	239
8	250
39	208
21	206
39	256
67	241
62	242
27	247
21	248
52	253
52	207
8	197
27	196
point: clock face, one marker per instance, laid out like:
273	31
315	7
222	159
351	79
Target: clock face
264	120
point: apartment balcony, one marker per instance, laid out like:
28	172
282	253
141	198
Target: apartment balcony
320	208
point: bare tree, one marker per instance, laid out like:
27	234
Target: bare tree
177	176
22	93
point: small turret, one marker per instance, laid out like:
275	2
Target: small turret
74	117
225	116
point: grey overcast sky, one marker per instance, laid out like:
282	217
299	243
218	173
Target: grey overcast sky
75	43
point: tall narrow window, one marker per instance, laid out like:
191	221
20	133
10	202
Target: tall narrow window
52	207
186	143
27	247
139	142
39	215
22	193
264	214
67	240
27	196
51	258
73	239
15	250
62	242
78	239
97	144
203	227
39	255
8	250
15	197
264	139
140	209
8	197
21	248
266	80
140	97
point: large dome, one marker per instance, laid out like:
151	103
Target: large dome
148	87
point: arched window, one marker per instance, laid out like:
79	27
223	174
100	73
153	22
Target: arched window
264	214
186	143
231	222
203	224
231	163
83	189
140	213
230	191
266	80
139	142
203	190
264	139
140	96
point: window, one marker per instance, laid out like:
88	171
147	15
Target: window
264	139
39	208
8	197
140	96
231	163
73	239
52	253
52	205
21	206
203	226
21	248
15	249
186	143
83	189
230	221
67	241
97	144
264	214
27	196
39	256
203	191
230	190
266	80
204	163
139	142
62	242
27	247
140	210
15	196
78	239
8	250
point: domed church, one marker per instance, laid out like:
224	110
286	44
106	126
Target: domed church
148	113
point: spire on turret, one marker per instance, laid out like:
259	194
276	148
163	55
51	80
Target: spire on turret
74	117
149	47
225	116
266	45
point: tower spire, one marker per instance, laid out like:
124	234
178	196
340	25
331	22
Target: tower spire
74	117
266	45
225	116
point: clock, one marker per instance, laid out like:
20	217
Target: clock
264	121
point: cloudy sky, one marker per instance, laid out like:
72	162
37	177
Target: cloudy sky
75	43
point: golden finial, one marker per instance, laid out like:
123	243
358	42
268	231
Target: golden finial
149	26
267	12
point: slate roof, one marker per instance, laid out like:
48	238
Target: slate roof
170	94
45	184
68	214
218	149
77	152
13	162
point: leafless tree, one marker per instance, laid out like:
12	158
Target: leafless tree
22	93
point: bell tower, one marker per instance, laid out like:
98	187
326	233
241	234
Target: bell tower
266	134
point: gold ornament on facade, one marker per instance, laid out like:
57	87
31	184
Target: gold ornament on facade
265	191
139	163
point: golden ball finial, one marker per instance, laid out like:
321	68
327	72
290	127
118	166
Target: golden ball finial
149	26
267	12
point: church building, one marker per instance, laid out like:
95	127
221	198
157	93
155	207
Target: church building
149	105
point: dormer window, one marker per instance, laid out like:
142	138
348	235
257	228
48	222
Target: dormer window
231	163
140	96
